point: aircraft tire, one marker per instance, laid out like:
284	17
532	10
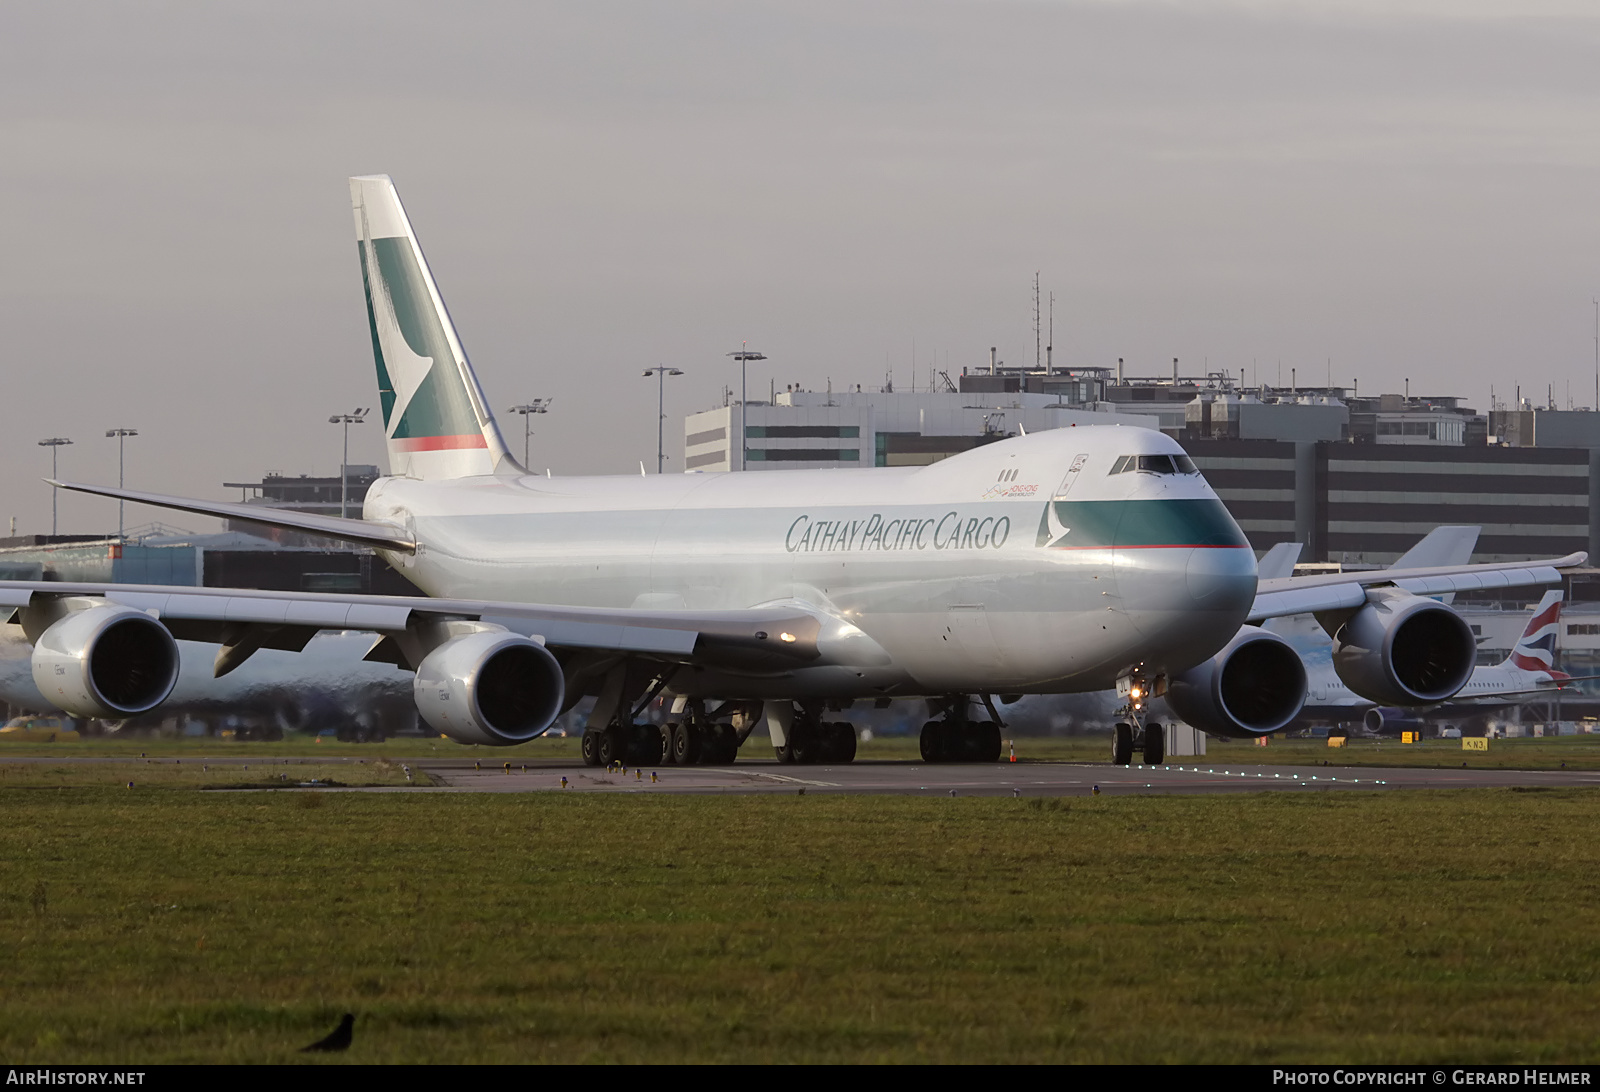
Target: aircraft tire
678	745
686	744
826	743
989	735
721	748
590	747
609	748
1122	745
1155	744
844	743
710	746
648	746
932	742
804	744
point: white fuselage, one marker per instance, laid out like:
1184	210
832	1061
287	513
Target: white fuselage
956	569
1327	694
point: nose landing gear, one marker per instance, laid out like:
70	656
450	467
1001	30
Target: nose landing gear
1130	733
1127	737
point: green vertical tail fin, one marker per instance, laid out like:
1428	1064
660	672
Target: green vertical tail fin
436	421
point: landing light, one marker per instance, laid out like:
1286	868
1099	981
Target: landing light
789	637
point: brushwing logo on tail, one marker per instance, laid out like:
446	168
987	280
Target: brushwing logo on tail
425	406
1536	651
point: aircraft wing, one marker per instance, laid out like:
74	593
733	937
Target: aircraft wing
1498	697
363	532
769	638
1345	591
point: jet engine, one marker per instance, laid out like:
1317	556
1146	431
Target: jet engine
1403	649
105	661
1254	686
1390	721
493	687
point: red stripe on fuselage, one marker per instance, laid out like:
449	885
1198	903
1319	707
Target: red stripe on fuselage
438	443
1157	546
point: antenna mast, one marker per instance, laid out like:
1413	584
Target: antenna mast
1036	341
1049	346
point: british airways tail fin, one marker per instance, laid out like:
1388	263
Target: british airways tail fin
1535	650
435	418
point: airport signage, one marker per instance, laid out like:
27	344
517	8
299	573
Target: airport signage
1474	743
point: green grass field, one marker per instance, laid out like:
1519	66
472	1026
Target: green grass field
170	925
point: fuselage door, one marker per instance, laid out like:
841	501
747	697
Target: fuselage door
973	636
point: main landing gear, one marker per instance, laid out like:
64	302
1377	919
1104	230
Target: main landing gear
697	739
809	740
955	737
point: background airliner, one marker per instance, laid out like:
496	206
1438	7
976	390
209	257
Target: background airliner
1107	561
1528	673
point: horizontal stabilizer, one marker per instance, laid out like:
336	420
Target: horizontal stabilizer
383	536
1448	545
1279	561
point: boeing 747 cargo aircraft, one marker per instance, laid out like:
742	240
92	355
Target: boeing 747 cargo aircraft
1072	560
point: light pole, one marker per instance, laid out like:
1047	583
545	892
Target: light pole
660	371
346	419
538	405
744	356
55	444
122	435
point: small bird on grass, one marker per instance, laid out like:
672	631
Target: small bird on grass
337	1039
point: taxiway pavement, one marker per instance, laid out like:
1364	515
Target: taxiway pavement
1027	778
1002	779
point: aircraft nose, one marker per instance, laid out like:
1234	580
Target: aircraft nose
1187	602
1215	575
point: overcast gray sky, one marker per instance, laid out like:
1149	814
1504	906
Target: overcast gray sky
1405	188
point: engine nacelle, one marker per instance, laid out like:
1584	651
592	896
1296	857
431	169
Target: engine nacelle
1390	721
1403	649
493	687
106	661
1254	686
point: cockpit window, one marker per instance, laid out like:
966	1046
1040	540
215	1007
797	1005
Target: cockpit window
1154	464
